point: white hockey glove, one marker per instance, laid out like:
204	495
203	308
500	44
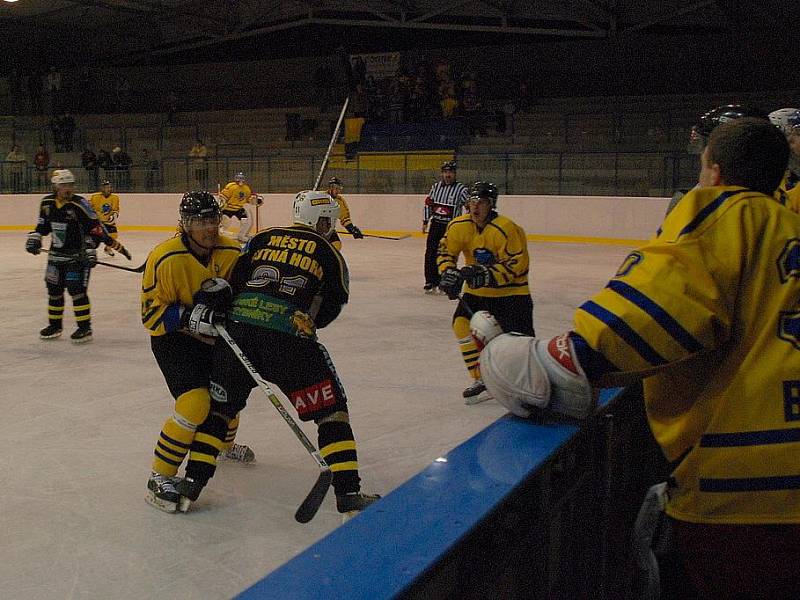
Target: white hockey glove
483	328
34	242
202	320
525	375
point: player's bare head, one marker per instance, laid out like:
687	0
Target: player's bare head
64	182
449	171
749	152
316	210
105	187
200	218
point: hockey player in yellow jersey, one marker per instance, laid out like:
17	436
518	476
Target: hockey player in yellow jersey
172	278
495	251
236	197
335	187
106	205
709	312
788	121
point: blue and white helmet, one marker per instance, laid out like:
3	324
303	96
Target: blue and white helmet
786	119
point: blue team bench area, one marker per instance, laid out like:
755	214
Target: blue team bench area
406	137
523	509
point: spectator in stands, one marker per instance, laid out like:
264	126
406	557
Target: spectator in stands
54	90
707	313
449	103
199	154
41	161
396	104
121	164
89	162
35	91
68	131
16	168
105	163
149	166
360	103
57	130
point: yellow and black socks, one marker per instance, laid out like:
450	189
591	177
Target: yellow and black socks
338	447
178	432
469	351
55	310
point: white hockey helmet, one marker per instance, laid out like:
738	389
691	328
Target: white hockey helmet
310	206
786	119
239	177
62	176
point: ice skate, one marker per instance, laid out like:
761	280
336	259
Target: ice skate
238	453
189	491
476	393
161	492
81	335
50	332
108	251
349	505
429	288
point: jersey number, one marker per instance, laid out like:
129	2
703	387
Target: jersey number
286	285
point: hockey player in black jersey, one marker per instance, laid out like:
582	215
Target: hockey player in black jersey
75	234
289	282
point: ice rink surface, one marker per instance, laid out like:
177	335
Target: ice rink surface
80	423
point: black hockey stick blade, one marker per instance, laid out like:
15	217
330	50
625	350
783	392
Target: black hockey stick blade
313	501
380	237
139	269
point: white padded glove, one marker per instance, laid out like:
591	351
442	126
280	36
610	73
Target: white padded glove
483	328
525	374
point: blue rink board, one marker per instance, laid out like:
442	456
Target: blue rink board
382	551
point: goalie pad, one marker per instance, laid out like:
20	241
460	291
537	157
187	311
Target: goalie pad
525	374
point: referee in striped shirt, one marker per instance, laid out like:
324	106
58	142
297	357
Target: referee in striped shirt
444	203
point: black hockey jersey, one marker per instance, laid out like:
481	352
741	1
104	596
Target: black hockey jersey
286	275
69	223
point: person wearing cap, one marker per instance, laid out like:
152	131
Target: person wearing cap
106	205
788	121
74	233
443	203
335	187
494	278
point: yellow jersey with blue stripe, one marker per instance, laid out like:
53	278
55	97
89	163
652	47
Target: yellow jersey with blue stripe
716	296
173	274
235	196
106	207
500	244
344	210
788	192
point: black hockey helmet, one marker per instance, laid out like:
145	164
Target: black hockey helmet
200	204
483	190
722	114
335	181
449	165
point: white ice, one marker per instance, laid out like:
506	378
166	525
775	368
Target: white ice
79	423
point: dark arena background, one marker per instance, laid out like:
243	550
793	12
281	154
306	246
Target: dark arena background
580	112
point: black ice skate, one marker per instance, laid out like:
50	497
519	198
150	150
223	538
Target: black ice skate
81	335
108	251
350	505
161	493
189	491
476	393
50	332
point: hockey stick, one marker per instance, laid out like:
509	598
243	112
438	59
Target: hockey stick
381	237
330	146
313	500
139	269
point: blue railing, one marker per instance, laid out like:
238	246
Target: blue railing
522	509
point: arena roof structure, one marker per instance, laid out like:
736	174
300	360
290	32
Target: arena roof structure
141	30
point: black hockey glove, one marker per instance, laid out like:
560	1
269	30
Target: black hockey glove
34	242
215	293
121	249
476	276
355	232
450	283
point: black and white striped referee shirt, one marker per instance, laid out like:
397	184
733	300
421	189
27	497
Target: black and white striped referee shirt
445	202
